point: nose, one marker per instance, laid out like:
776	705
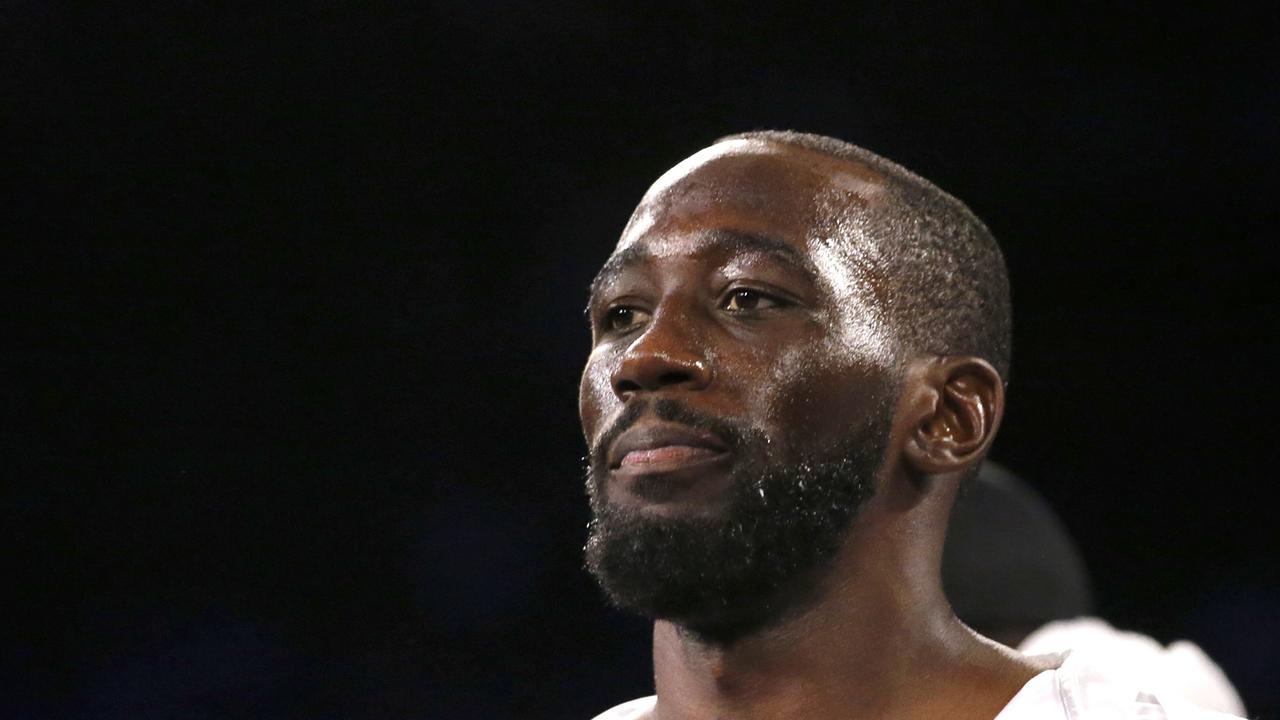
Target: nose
665	357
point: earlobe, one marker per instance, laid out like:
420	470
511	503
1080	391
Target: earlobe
956	414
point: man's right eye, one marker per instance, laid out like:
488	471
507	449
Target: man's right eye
624	318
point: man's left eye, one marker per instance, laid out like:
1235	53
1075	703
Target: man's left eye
744	299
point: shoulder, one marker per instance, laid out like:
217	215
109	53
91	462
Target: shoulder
634	710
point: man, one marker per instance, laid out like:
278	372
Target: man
798	356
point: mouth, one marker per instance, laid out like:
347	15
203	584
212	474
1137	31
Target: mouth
664	448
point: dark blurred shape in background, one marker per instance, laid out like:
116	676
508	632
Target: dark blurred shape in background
1009	566
1013	574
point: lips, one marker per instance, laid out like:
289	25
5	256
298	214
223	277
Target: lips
663	445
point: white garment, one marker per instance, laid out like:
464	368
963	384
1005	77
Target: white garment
1073	691
1181	669
630	710
1078	690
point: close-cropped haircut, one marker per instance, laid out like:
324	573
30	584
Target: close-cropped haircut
949	292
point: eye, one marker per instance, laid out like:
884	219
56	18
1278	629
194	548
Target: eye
623	318
746	300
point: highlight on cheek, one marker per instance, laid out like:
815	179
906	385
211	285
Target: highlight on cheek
594	391
595	380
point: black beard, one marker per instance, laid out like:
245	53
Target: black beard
746	568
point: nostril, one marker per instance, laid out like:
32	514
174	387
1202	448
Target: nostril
674	377
650	372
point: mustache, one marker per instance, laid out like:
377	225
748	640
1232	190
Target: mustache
733	434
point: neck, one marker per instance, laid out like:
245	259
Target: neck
879	641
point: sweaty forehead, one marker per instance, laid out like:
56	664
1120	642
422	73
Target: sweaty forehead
766	188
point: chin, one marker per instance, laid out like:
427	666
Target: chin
658	497
727	553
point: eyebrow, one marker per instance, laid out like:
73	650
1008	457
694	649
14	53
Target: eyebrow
724	240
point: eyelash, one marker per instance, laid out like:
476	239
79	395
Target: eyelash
617	311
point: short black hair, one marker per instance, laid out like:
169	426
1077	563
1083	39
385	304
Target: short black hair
951	289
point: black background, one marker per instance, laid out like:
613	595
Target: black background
289	392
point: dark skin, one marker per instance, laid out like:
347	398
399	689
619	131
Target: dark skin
739	290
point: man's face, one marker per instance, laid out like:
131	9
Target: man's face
739	350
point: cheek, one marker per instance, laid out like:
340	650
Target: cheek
595	394
816	399
798	386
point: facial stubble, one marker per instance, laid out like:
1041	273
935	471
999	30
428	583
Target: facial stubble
757	559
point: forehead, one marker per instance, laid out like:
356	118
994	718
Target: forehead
778	199
804	198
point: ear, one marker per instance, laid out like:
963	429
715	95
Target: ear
955	410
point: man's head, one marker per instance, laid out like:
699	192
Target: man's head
785	320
